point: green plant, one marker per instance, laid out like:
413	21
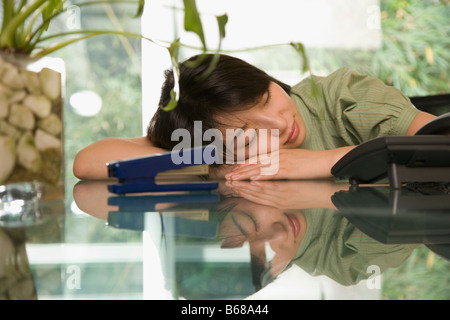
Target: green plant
25	23
415	52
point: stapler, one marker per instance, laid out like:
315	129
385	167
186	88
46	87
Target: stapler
137	175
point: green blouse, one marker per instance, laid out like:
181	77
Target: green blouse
350	108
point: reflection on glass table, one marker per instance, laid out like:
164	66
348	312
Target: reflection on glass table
247	240
269	229
24	219
417	213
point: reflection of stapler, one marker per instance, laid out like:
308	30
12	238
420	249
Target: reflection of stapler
146	203
139	174
181	214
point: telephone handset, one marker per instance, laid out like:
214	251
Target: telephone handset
424	157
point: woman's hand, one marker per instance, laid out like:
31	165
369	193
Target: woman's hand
289	164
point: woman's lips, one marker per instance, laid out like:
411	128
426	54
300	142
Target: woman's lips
295	225
294	133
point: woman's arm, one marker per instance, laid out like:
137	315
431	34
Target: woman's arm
419	121
90	162
307	164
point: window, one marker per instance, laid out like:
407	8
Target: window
103	96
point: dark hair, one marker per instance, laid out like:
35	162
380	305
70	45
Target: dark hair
232	85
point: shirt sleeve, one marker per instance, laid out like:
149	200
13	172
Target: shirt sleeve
363	107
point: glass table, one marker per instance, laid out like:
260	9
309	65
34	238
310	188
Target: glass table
289	240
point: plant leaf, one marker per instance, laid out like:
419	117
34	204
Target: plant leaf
222	21
316	90
173	51
82	34
173	101
192	21
301	50
140	10
8	12
175	92
51	8
18	30
7	36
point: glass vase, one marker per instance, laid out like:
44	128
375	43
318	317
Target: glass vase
31	123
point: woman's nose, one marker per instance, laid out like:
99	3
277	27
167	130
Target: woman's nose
276	231
272	120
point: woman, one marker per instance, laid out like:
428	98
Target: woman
314	125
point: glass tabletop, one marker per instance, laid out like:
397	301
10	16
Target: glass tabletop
258	240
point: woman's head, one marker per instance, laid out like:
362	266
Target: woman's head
273	235
232	86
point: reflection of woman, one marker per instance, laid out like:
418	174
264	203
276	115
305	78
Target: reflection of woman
330	245
314	131
240	220
294	219
263	227
334	247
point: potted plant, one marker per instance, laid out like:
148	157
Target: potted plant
31	101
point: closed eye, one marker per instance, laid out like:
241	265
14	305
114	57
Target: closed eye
240	228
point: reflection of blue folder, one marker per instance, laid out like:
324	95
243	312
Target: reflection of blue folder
139	174
132	209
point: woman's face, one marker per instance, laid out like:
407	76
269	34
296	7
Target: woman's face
262	225
273	123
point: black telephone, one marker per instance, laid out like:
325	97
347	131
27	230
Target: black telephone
424	157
